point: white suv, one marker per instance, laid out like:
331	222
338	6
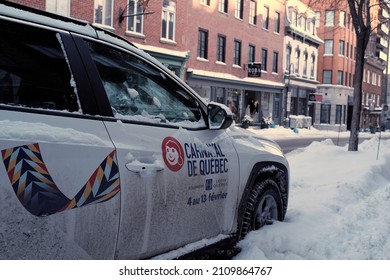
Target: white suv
106	154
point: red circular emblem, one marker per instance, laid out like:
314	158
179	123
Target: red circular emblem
173	153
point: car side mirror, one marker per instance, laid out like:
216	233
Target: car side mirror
219	116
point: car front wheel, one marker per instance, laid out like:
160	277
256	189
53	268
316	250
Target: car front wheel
264	205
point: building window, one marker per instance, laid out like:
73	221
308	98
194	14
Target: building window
237	53
312	65
239	9
264	54
288	58
266	18
327	77
221	49
168	20
306	24
205	2
328	47
203	41
103	12
339	111
300	20
252	54
297	58
277	22
313	26
340	76
329	18
373	79
341	47
350	53
135	23
223	6
61	7
275	61
317	19
292	15
325	113
305	57
253	12
344	113
342	19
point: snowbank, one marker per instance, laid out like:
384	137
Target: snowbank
339	207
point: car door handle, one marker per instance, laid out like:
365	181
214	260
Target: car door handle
142	167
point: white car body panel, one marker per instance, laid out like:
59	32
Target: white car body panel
71	156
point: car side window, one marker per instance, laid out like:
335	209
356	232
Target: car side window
140	92
34	72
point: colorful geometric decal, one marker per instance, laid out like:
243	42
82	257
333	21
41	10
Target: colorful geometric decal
36	190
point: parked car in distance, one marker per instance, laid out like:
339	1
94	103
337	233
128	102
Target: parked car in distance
106	154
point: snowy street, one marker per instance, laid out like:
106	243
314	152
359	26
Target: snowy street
339	203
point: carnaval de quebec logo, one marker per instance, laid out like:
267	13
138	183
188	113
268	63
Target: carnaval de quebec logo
202	159
173	153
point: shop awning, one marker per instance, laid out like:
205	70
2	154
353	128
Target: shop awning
231	81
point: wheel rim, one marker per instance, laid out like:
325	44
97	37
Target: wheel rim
266	211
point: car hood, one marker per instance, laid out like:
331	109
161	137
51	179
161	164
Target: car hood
247	140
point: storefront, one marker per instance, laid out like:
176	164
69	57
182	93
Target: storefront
251	97
300	92
371	118
174	60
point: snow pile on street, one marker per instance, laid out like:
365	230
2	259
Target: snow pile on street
280	131
339	207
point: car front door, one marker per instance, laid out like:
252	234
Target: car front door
179	178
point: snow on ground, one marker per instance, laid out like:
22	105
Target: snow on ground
339	207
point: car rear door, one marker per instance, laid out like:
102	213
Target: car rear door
59	177
179	179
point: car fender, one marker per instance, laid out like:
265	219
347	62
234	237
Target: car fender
259	158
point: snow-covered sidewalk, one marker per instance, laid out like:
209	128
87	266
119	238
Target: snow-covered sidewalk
281	132
339	206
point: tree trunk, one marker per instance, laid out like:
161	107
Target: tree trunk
362	40
357	103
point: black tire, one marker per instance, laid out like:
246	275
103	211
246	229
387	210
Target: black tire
263	206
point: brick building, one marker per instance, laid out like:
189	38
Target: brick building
225	38
140	22
375	68
236	51
336	66
216	46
